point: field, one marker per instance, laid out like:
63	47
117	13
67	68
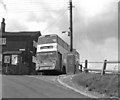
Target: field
108	84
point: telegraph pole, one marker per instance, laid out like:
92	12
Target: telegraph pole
71	28
70	32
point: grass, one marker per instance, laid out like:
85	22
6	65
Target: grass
107	84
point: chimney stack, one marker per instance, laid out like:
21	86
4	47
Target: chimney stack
3	25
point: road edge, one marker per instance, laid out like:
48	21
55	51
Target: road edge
73	88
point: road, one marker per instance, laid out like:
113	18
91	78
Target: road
31	87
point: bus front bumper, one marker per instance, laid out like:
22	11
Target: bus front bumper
40	68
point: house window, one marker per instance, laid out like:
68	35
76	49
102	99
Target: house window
2	41
14	59
6	59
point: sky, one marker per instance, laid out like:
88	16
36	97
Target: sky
95	23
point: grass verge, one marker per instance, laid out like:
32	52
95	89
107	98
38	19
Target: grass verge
107	84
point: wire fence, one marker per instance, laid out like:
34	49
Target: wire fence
103	67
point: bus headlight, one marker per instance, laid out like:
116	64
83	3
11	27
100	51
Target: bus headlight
54	64
37	68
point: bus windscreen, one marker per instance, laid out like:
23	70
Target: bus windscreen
49	56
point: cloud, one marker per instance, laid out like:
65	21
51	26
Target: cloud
94	23
53	13
99	52
96	37
14	25
99	27
3	5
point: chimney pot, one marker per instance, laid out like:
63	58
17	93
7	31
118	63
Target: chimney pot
3	25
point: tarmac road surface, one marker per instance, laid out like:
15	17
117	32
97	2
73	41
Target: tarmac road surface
30	87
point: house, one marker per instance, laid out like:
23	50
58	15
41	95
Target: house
24	42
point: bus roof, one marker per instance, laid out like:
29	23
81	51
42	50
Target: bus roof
53	38
47	35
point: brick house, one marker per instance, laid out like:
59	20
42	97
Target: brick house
25	41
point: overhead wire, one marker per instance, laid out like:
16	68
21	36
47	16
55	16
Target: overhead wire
55	21
60	16
34	5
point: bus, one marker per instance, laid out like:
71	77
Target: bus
53	55
50	53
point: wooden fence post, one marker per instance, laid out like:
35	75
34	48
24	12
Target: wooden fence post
104	67
86	63
80	67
